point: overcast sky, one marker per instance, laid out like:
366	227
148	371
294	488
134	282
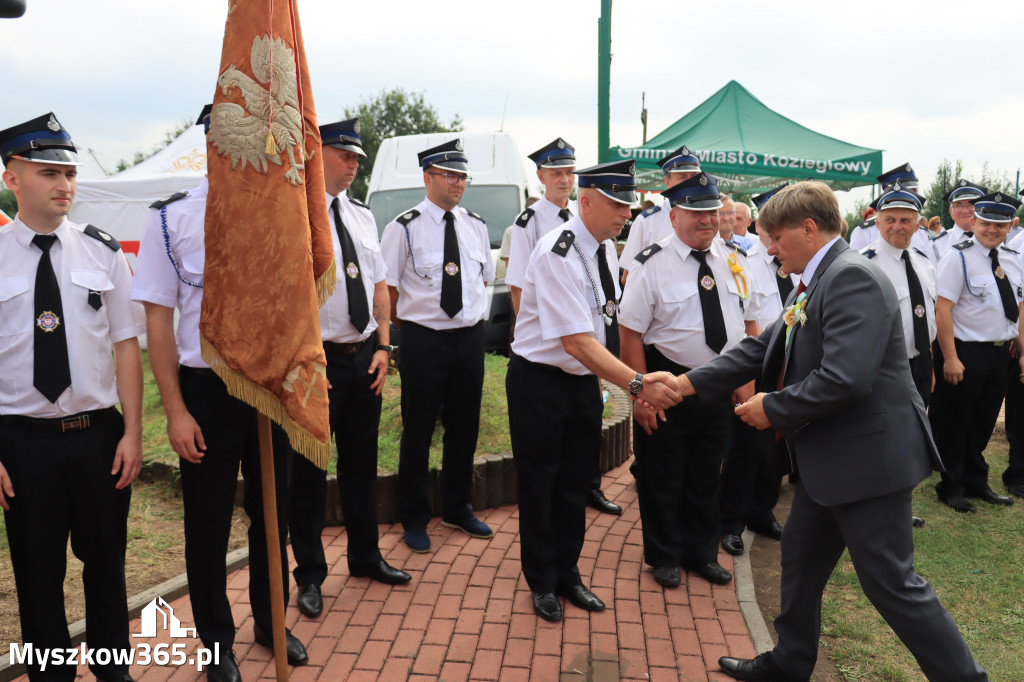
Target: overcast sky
923	81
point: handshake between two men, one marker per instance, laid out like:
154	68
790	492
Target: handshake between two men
662	390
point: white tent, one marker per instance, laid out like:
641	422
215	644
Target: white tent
119	203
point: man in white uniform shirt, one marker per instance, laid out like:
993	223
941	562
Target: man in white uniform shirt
554	396
212	432
70	353
750	485
653	225
978	317
961	208
355	326
687	301
867	232
438	259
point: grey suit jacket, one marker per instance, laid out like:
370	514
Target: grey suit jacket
853	421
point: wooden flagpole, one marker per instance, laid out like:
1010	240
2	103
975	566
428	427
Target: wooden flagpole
273	546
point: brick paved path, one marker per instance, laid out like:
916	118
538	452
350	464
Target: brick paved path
467	614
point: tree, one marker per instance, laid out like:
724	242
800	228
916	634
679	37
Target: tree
855	217
8	202
169	137
948	175
391	113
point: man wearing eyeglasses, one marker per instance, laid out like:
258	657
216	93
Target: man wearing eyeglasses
438	264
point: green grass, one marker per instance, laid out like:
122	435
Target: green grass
972	561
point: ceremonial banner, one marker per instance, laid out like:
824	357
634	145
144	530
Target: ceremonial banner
269	258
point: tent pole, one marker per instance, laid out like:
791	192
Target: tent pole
604	61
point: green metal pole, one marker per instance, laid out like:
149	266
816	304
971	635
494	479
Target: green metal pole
604	62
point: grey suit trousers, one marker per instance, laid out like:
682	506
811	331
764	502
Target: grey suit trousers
881	546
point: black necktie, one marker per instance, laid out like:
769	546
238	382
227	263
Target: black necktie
1003	284
451	283
358	309
564	214
784	282
710	307
611	339
51	370
917	308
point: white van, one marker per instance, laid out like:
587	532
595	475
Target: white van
497	193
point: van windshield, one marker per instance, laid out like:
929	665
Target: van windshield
498	205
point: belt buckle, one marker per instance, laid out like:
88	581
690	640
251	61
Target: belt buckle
74	423
999	344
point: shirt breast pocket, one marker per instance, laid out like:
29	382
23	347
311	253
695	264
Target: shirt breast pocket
678	294
478	259
982	285
192	266
89	290
16	306
427	263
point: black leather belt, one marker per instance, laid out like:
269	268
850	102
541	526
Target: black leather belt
74	422
347	348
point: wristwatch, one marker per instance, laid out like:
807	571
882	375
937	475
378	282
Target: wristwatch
386	347
637	384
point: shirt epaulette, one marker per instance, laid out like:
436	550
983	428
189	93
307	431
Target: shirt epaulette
736	247
167	200
963	245
357	202
651	211
647	253
870	253
476	215
940	235
407	217
1004	247
524	217
564	242
919	251
102	237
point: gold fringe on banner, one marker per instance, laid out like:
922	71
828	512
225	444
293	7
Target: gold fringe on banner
326	283
265	402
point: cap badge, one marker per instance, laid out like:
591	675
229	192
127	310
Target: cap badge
452	269
909	169
458	145
896	186
53	125
963	183
355	127
47	321
561	145
919	310
684	150
999	198
632	167
352	270
703	180
708	282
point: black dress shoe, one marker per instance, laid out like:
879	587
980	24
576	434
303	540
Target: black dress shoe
224	671
758	669
582	598
733	544
771	530
296	652
714	573
382	572
667	576
958	504
986	494
598	501
309	600
545	605
1017	490
916	521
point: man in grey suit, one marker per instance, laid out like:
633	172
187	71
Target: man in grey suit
836	388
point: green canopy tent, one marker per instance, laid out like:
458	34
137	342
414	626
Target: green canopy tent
752	148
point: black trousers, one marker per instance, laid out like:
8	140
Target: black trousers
1014	474
962	417
442	373
63	488
355	417
921	371
750	485
881	547
680	467
208	491
555	425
